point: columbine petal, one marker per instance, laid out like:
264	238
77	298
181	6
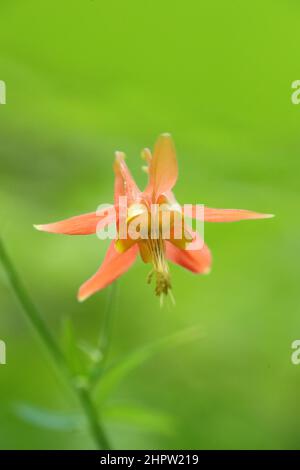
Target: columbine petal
163	170
114	265
145	251
197	261
123	245
85	224
230	215
124	182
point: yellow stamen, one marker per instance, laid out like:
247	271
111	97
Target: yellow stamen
160	266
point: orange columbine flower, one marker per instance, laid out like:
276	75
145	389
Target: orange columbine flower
157	246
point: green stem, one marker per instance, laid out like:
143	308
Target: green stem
94	421
37	321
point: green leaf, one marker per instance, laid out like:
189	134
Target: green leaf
143	418
113	375
49	419
94	354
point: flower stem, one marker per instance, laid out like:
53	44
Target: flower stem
82	393
94	422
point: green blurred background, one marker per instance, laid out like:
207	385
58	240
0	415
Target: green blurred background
85	78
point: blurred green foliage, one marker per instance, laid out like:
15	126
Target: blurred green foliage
85	78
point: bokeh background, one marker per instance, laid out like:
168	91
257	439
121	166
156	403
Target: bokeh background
85	78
